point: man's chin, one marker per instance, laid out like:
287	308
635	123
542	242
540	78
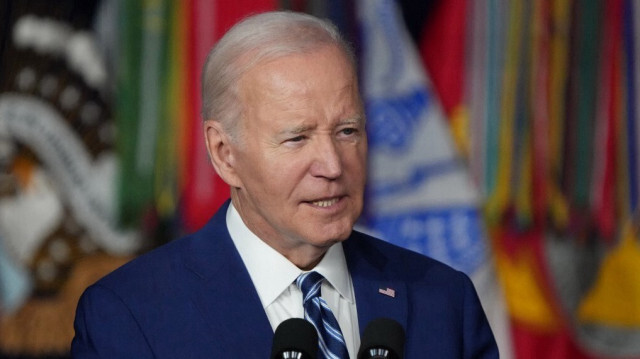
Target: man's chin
328	239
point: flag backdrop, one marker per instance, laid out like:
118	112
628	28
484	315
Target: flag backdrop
59	170
503	141
552	129
420	195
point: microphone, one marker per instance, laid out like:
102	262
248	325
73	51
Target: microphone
382	338
295	338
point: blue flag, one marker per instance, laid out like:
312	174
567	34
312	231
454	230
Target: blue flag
420	194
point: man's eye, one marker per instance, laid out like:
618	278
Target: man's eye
348	131
296	139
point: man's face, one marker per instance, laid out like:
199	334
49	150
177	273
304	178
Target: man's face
301	160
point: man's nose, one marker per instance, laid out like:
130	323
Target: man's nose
327	161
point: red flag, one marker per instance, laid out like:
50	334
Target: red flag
531	344
608	117
442	46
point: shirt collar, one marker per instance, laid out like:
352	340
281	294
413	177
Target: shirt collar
272	273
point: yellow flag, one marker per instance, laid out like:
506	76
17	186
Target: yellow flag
614	300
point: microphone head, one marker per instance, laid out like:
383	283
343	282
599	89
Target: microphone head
382	338
295	338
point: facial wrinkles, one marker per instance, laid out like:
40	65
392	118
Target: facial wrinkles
305	123
268	107
304	93
313	116
308	103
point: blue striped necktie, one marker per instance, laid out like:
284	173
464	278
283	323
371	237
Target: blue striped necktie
330	339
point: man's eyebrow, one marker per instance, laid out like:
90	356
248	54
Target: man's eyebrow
300	129
296	130
354	120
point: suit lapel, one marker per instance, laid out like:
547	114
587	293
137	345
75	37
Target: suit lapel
223	292
225	295
377	294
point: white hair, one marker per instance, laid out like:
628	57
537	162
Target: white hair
261	37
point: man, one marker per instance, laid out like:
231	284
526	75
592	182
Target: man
285	128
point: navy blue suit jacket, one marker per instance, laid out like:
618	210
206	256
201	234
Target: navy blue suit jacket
193	298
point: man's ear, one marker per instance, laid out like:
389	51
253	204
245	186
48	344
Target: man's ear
221	153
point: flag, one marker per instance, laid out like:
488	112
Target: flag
59	172
442	49
419	195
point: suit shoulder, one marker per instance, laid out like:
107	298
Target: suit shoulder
157	263
402	261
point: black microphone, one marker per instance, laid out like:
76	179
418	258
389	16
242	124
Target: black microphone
295	338
382	338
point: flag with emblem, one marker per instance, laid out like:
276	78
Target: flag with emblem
58	171
420	195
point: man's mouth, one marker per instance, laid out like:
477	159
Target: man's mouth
326	202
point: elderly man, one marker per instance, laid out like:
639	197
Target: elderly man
285	128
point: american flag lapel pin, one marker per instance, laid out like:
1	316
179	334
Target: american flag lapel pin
388	292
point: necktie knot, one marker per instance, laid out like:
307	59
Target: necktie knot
310	285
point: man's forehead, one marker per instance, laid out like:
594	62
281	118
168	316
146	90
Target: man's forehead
267	65
283	82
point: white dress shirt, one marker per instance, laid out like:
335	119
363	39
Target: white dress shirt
273	275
